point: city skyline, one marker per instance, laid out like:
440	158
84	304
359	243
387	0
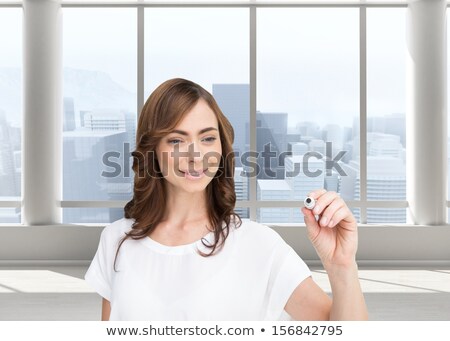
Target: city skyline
95	132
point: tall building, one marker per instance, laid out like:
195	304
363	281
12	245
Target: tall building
310	129
97	162
274	190
104	120
9	178
69	114
306	175
302	175
317	145
93	170
241	188
82	114
386	180
396	125
393	124
234	101
271	131
277	123
332	182
335	134
380	144
299	148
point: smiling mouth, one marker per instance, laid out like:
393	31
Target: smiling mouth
195	173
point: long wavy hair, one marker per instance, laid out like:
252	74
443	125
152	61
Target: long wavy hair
163	110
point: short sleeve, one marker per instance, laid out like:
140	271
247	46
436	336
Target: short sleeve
288	271
99	274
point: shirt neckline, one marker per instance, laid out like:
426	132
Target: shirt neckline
179	249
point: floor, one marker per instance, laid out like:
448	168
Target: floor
60	293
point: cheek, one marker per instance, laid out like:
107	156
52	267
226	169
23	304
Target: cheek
214	160
165	160
213	157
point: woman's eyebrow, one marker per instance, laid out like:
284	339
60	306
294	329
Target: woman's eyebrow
182	132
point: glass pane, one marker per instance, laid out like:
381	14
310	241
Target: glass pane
275	215
243	212
10	110
199	44
99	105
308	103
357	213
91	215
386	215
386	125
10	215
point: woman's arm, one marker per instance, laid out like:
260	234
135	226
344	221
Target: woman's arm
309	302
334	236
348	299
106	310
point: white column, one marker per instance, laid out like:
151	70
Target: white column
426	111
42	117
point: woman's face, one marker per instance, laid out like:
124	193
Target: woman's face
193	146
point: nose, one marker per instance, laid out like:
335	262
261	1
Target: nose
195	153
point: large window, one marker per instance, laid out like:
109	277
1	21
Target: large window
300	73
308	104
99	123
10	113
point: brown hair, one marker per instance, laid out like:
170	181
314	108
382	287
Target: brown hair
163	110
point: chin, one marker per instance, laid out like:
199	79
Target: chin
194	189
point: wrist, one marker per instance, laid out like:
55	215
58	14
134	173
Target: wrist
341	269
340	262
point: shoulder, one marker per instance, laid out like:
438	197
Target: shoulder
114	231
259	234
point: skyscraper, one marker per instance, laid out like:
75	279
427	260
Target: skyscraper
386	180
234	101
69	114
271	131
241	188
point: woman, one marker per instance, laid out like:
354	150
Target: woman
181	252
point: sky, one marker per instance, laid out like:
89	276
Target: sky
307	59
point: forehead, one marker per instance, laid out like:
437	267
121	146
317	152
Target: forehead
200	116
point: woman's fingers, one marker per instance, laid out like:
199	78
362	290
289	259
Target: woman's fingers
323	200
328	215
327	206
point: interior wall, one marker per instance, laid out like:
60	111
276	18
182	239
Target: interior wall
378	245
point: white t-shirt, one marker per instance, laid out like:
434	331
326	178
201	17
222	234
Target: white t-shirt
250	278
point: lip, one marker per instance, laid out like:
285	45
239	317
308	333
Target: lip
201	171
191	177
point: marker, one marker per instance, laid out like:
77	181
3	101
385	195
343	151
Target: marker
309	203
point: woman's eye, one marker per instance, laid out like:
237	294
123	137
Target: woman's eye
176	141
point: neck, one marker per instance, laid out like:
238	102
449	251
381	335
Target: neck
185	209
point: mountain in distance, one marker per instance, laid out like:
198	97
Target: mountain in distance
91	90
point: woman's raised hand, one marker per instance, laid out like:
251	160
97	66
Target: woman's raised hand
335	234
